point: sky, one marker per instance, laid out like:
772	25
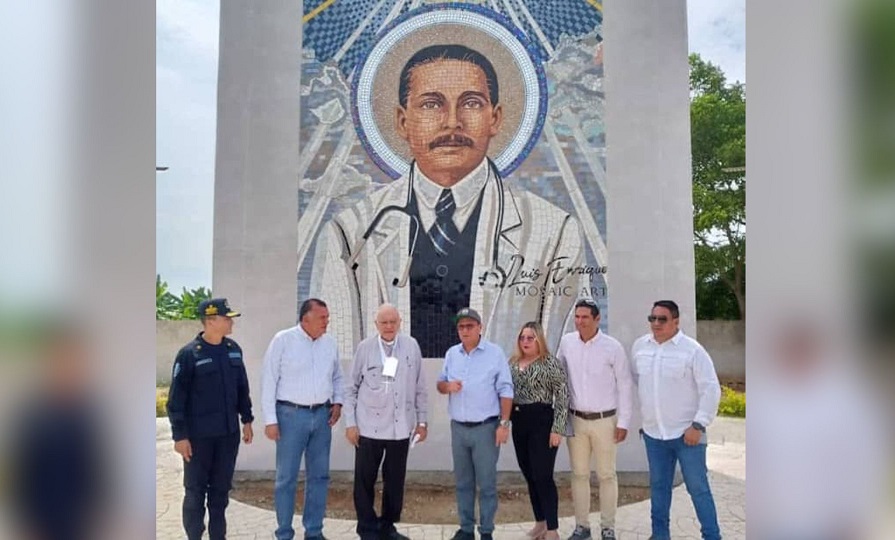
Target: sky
186	95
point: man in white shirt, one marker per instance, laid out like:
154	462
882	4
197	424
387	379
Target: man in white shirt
301	398
679	394
600	399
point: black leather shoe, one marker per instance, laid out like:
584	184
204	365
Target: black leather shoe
463	535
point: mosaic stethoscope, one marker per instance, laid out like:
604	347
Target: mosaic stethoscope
495	276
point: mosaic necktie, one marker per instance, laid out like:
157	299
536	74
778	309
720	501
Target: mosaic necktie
443	232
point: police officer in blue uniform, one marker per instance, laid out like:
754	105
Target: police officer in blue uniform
209	396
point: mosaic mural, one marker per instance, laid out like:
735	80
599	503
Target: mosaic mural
452	155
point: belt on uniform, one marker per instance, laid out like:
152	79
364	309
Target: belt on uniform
298	406
473	424
593	415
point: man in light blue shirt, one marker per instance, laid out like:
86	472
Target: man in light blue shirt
476	377
301	399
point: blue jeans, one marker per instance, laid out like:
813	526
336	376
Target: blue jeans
662	456
302	431
475	464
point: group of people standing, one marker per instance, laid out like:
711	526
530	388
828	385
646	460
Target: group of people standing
585	393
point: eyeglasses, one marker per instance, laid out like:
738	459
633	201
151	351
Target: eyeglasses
661	319
527	338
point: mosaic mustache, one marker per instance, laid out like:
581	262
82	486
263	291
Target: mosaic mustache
451	140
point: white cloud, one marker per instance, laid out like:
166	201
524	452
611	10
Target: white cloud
717	31
186	90
191	26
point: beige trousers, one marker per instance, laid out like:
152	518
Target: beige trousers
594	438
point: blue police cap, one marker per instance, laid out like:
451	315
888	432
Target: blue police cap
216	306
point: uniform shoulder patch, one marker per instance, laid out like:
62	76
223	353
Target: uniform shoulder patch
176	370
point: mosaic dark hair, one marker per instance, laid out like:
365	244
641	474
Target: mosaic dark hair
448	52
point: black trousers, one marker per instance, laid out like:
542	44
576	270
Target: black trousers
368	457
531	439
209	472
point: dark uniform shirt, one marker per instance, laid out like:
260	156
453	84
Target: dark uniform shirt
209	387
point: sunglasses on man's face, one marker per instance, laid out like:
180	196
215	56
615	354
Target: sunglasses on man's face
661	319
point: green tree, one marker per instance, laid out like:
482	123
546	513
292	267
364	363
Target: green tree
171	307
718	140
167	306
189	302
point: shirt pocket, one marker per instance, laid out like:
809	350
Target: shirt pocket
643	364
675	366
236	362
205	367
373	391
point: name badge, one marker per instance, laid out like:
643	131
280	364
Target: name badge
390	366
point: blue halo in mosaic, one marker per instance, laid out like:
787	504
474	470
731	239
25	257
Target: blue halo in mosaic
482	19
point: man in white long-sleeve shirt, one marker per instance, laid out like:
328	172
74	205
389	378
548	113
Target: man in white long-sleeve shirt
600	402
301	399
679	394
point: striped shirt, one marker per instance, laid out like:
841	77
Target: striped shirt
543	381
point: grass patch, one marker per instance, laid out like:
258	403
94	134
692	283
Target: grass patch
733	403
161	401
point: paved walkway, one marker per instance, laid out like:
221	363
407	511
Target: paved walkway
726	461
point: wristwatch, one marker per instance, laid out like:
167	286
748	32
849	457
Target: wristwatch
505	423
422	424
698	426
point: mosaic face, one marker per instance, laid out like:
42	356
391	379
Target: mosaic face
452	156
449	119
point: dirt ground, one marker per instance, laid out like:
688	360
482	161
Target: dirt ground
428	503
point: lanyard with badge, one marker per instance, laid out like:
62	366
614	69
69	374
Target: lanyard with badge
389	363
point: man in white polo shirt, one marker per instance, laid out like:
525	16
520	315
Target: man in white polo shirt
679	394
600	400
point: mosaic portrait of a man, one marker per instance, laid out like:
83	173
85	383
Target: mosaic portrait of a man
449	192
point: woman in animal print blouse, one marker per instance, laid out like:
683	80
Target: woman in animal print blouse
540	407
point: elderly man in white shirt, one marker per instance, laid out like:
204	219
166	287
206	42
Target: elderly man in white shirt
679	394
385	404
600	401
